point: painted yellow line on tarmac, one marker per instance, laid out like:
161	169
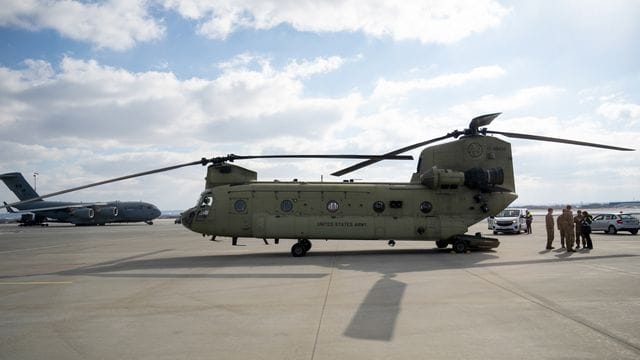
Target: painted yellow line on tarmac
37	283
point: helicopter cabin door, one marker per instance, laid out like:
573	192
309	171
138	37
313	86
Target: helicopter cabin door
240	209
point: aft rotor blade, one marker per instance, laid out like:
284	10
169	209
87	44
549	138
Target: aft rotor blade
376	157
558	140
366	163
483	120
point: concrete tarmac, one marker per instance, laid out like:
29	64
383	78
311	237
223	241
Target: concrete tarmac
163	292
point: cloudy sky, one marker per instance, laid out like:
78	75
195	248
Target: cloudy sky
96	89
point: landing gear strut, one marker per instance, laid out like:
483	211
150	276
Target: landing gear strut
301	247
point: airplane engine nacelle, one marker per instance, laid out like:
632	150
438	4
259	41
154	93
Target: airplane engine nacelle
107	212
83	213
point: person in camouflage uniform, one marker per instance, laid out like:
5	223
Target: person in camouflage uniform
577	221
548	219
569	228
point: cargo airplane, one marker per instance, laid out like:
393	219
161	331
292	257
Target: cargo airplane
39	212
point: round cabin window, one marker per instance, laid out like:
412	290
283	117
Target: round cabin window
333	206
286	206
426	207
378	206
240	206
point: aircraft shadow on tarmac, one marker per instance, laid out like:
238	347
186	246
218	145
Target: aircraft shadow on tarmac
376	316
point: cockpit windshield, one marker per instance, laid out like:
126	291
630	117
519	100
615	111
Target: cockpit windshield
206	200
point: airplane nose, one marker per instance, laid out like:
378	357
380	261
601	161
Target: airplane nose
156	212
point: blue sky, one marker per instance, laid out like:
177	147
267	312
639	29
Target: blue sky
97	89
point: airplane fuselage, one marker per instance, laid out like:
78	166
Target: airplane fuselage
92	213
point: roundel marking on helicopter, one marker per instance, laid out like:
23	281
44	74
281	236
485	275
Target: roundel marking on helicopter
332	206
474	150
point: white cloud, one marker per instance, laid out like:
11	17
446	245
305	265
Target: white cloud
112	24
520	99
389	88
425	21
628	112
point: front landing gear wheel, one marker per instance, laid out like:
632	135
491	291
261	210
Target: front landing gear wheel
441	244
460	246
297	250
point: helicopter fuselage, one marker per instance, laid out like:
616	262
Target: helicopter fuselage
313	210
455	185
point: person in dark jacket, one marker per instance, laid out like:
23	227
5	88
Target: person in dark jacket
587	219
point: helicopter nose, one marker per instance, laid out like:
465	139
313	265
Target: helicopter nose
186	218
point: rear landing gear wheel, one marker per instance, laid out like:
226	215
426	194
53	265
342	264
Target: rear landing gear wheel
306	244
460	246
297	250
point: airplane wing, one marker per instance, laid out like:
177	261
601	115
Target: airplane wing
9	208
52	208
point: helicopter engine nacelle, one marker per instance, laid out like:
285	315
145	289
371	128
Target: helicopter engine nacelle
475	178
227	174
83	213
436	178
483	179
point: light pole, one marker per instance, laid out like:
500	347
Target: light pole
35	177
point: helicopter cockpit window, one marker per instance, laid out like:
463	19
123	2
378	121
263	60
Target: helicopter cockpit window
207	201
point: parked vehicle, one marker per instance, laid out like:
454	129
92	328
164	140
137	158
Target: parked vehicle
612	223
510	220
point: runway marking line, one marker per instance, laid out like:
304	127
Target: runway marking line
37	283
35	248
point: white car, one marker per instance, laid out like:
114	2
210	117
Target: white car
510	220
612	223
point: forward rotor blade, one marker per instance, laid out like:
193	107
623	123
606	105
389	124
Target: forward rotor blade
558	140
366	163
215	160
144	173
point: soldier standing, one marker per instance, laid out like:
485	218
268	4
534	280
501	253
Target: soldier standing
569	229
548	219
562	227
577	220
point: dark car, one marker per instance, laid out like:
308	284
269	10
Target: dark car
612	223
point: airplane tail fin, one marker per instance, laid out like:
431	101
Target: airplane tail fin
17	183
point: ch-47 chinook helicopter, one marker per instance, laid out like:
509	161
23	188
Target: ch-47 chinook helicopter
456	184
